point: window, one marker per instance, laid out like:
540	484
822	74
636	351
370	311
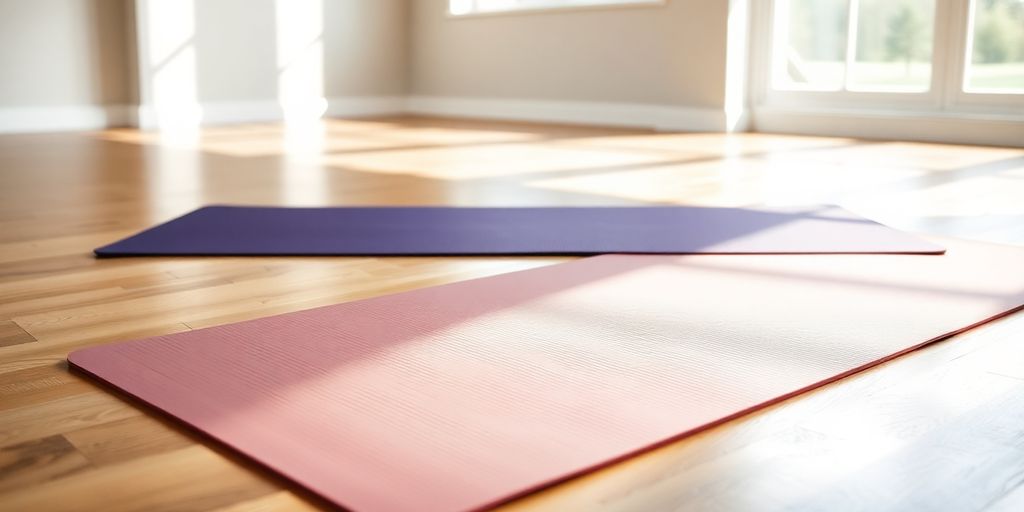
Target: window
469	7
864	45
952	56
996	47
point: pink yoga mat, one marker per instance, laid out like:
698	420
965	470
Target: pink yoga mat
463	396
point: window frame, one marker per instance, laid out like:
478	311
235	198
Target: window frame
960	95
947	94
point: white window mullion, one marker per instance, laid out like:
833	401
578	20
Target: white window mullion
779	25
952	46
853	7
942	50
960	96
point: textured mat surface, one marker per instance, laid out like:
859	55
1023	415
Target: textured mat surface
463	396
244	230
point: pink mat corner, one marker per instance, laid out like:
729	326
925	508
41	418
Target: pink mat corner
463	396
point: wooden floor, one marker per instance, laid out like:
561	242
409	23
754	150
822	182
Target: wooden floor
940	429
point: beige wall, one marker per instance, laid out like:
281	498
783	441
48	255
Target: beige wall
669	55
83	52
236	55
234	50
367	47
65	53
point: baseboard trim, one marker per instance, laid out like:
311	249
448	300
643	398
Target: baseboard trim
361	106
927	127
64	118
228	112
979	129
631	115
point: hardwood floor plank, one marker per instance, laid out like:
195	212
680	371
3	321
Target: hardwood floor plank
53	351
127	439
65	414
193	478
39	384
278	502
1012	501
12	334
38	461
959	466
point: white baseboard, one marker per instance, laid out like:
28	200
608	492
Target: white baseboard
633	115
958	128
64	118
211	113
227	112
337	106
662	117
928	127
359	106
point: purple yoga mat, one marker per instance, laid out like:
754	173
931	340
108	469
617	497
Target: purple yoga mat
249	230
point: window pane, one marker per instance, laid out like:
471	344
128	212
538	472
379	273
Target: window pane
894	45
997	47
813	46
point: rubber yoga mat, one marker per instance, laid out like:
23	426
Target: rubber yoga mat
464	396
245	230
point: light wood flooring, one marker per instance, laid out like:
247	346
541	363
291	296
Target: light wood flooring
939	429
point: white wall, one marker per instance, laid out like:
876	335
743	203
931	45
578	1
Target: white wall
364	48
669	54
367	47
598	63
81	64
235	50
64	63
251	60
87	63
